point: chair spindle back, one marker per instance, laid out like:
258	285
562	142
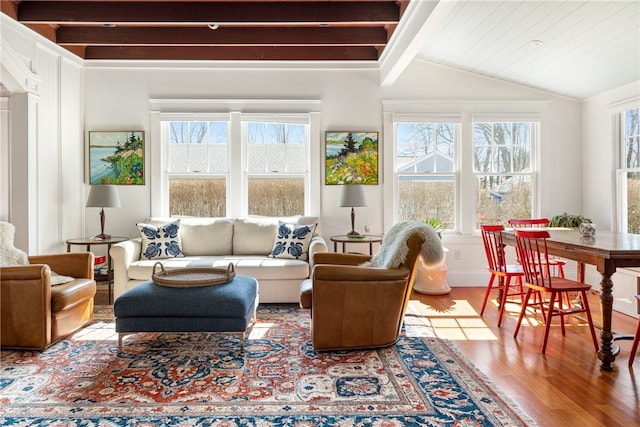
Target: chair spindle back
531	246
494	247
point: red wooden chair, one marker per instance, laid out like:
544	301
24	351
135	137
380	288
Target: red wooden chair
636	340
498	267
531	246
538	223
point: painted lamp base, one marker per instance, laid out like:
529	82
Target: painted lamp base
432	280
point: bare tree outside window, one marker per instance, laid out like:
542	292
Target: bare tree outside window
502	165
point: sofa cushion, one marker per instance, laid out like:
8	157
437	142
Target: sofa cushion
292	241
70	294
206	236
254	236
258	266
160	241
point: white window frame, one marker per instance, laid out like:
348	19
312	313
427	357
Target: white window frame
236	110
534	150
467	111
619	138
273	118
165	129
455	173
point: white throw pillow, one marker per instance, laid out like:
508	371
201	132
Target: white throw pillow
161	241
292	241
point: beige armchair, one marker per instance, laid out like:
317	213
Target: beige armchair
362	306
33	313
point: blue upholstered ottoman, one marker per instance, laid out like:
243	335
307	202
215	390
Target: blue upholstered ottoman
148	307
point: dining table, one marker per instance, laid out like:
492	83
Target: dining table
607	251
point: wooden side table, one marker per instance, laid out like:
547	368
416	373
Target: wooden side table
364	238
90	241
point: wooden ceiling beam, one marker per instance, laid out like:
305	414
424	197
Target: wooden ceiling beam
224	53
240	12
229	36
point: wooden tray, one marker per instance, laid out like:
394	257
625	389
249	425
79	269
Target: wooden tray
192	277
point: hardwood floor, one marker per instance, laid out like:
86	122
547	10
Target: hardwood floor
564	387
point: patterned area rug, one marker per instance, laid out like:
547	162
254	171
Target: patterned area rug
202	379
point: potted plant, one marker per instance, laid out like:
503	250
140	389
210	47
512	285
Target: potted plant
568	220
436	224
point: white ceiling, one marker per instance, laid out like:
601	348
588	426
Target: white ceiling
588	46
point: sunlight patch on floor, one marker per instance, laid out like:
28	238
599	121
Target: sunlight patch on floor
457	321
259	330
98	331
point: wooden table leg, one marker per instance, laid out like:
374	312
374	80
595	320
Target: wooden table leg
581	272
608	350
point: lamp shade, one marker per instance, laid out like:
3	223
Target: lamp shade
103	196
352	195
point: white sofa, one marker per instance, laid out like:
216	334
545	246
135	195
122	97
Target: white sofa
246	242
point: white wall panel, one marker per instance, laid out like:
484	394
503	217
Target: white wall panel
31	66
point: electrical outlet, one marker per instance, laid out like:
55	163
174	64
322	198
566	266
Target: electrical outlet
456	254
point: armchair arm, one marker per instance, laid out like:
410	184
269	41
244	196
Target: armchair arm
346	273
123	254
340	258
26	306
74	264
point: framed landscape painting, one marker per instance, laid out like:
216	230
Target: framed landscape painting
351	158
116	157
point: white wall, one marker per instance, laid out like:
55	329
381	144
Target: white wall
118	97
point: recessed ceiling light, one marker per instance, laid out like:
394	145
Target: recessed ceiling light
536	42
213	26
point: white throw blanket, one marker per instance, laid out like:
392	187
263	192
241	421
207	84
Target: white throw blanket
11	256
393	250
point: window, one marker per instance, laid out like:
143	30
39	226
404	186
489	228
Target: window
198	167
503	172
276	168
461	162
629	172
234	164
425	170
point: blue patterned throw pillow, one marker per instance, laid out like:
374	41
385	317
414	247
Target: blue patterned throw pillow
160	241
292	241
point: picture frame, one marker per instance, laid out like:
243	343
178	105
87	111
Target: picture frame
116	157
351	157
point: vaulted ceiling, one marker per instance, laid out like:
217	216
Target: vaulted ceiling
576	48
214	30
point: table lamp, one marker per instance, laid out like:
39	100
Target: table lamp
352	196
103	196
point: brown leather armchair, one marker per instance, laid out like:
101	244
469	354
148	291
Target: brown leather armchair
34	314
354	306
